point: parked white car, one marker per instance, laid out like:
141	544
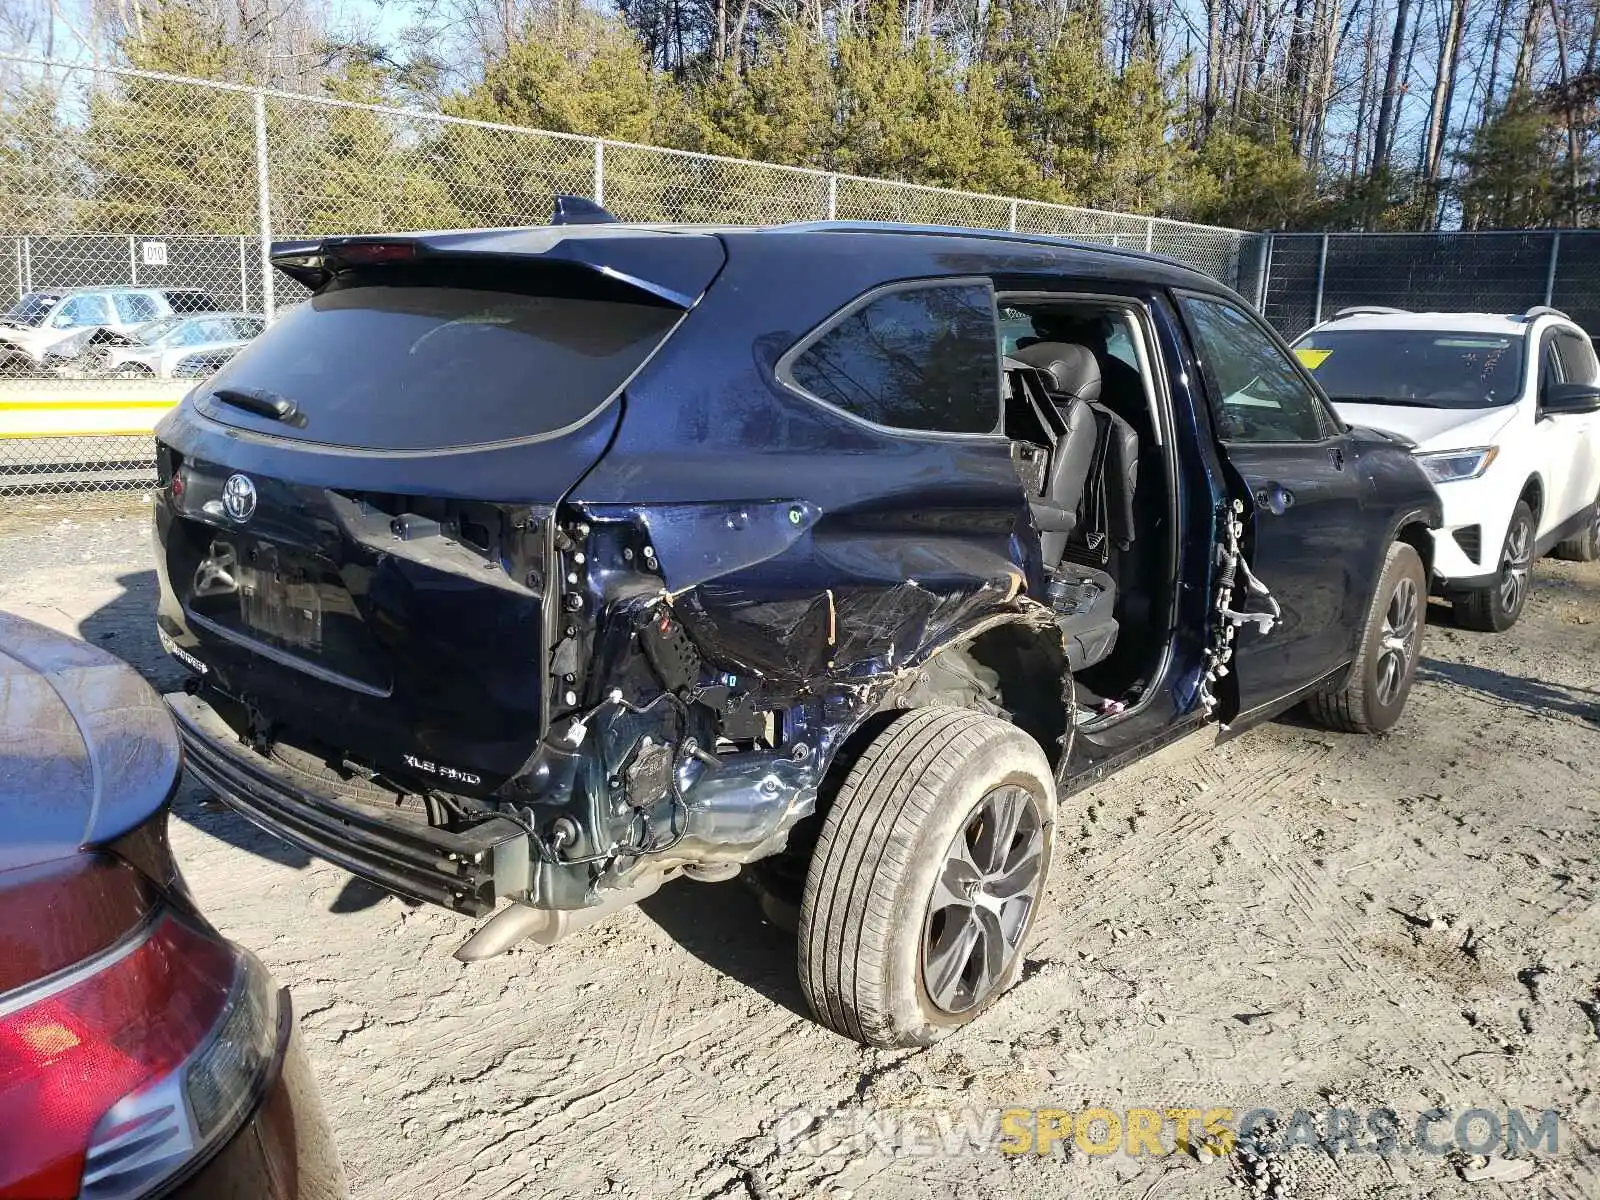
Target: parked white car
176	347
1504	412
44	321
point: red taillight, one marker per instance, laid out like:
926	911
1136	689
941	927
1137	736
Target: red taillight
69	1052
371	254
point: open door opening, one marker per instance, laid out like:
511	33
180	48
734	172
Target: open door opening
1084	410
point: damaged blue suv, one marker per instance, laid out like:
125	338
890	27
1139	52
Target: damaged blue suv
522	571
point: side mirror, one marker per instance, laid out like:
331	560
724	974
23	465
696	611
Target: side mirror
1569	399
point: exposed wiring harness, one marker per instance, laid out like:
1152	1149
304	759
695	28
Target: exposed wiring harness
1232	569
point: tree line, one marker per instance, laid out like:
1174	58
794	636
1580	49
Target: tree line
1263	114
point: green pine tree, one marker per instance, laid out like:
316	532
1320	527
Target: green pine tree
171	158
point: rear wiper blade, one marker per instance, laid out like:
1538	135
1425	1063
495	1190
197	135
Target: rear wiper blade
264	404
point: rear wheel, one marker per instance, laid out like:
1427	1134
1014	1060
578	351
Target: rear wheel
930	866
1496	608
1374	693
1585	546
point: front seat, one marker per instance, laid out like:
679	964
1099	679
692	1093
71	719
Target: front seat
1084	599
1072	377
1105	490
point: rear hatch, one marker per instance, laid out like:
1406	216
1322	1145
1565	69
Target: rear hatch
354	533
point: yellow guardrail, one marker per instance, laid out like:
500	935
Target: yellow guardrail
32	408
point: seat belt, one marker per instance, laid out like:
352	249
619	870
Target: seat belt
1094	512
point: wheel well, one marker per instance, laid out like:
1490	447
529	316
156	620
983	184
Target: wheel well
1029	666
1417	537
1533	493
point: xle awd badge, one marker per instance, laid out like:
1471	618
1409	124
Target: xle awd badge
239	498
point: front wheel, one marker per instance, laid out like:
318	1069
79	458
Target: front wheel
1495	609
926	877
1375	691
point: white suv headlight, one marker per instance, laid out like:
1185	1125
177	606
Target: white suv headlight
1450	466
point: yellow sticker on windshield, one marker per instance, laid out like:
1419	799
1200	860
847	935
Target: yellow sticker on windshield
1312	359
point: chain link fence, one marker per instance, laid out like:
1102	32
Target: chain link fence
126	195
1311	276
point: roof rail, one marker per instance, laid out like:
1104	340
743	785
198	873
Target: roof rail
1543	310
1365	310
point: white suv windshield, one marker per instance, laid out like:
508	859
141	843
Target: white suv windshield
1420	368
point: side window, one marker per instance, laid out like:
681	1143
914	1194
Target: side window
924	357
1259	396
1120	345
136	309
1549	363
1577	358
81	311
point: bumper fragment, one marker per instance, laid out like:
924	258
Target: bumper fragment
466	871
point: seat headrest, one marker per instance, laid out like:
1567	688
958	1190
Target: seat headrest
1073	370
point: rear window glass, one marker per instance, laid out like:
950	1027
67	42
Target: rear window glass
415	368
924	357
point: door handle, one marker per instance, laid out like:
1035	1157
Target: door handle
1275	498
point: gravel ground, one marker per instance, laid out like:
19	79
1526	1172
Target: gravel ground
1292	920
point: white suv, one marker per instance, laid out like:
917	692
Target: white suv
1504	412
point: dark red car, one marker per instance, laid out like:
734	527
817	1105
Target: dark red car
141	1054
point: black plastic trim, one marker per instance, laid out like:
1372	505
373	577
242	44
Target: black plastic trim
453	870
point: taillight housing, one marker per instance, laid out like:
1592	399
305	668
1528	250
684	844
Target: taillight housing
124	1070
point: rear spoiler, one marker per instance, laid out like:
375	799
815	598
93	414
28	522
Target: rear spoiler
609	261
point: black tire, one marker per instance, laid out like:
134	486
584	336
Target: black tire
1495	609
914	808
1374	693
1585	546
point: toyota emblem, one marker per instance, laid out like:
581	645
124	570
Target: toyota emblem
239	498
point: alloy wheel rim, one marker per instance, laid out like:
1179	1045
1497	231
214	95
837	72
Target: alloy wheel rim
1397	644
983	896
1515	563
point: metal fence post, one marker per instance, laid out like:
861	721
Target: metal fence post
244	273
833	197
1264	283
1013	216
133	263
599	172
27	264
1550	275
1322	271
264	204
1149	234
22	278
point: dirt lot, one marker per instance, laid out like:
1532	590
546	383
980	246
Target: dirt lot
1293	920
